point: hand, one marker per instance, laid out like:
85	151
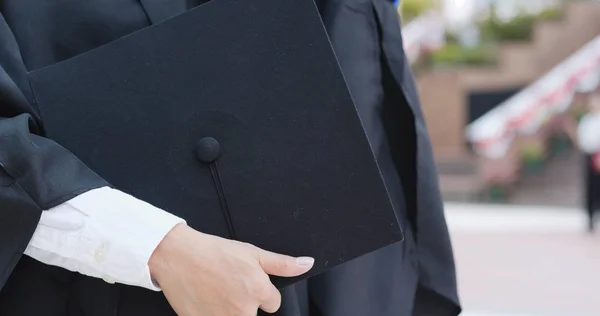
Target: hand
205	275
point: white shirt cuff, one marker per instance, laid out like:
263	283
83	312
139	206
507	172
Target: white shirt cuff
103	233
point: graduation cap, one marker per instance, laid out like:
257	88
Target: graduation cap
234	116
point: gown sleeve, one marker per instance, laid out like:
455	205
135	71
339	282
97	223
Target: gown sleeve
35	173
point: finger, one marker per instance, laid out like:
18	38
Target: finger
284	266
272	300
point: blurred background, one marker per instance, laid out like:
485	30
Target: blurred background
498	80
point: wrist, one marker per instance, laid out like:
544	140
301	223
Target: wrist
166	249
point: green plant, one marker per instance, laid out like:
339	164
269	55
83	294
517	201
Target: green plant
451	38
579	113
559	143
532	152
455	54
410	9
497	193
550	14
516	29
533	158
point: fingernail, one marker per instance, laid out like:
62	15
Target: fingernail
305	261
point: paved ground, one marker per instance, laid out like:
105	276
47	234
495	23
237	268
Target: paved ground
525	261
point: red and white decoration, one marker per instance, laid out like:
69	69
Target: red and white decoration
523	114
425	33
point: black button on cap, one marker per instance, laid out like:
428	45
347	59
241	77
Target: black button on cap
208	149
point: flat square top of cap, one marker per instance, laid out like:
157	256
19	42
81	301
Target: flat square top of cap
232	114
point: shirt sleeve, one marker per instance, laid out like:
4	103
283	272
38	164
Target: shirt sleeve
589	134
103	233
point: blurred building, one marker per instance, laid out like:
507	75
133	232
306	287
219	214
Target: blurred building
458	92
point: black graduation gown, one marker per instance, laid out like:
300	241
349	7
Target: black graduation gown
415	277
592	188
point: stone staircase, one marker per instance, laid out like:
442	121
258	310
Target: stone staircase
559	184
459	181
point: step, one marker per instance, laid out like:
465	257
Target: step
457	166
460	188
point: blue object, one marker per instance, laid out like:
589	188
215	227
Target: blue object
396	3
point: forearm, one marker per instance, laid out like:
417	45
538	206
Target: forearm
103	233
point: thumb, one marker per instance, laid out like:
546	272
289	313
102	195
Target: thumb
284	266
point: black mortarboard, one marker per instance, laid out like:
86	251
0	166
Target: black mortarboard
235	116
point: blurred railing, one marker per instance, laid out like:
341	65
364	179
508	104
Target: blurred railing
493	134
